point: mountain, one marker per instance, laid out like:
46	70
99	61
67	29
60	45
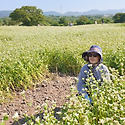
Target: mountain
71	13
104	12
5	13
48	13
94	12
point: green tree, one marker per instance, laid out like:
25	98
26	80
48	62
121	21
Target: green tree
1	22
105	20
28	15
63	21
119	18
6	20
82	20
50	21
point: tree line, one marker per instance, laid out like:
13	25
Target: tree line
31	16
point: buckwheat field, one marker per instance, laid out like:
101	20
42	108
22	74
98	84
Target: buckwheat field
27	54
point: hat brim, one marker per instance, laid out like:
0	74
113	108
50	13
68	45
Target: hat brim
85	55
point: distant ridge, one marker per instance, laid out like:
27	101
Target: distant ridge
71	13
48	13
5	13
95	12
105	12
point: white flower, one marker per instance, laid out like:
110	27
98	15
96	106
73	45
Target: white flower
15	116
115	108
110	105
122	119
99	80
122	108
83	89
23	92
76	114
119	98
59	112
4	114
107	119
83	79
97	68
37	119
76	78
102	121
73	87
116	122
89	65
87	80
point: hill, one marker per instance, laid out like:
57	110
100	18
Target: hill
94	12
71	13
5	13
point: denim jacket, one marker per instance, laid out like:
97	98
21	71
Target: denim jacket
99	72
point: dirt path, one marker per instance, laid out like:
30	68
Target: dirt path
30	102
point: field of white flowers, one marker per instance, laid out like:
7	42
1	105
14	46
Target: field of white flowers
27	53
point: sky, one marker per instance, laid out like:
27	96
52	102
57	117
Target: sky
63	6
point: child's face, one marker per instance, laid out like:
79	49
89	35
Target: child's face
94	58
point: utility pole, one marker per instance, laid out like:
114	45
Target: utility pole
60	11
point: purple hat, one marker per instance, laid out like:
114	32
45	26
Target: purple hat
95	49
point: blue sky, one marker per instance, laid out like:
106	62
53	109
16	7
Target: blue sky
64	5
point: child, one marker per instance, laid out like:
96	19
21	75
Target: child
94	68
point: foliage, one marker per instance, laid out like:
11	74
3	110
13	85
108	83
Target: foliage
117	59
63	21
82	20
27	53
106	20
107	106
1	22
51	21
54	20
5	21
28	15
64	61
119	18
